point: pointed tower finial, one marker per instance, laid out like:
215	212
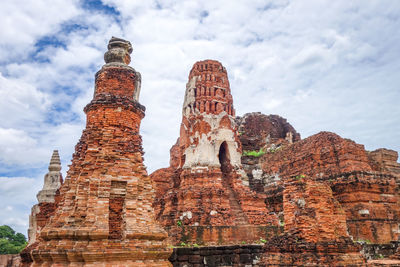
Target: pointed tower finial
42	211
55	162
52	180
119	51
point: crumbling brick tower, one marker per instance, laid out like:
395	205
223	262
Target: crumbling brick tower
205	187
208	126
105	216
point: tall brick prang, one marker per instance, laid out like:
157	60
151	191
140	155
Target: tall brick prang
105	215
204	196
208	118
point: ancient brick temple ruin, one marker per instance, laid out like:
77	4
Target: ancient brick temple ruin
105	215
239	191
204	197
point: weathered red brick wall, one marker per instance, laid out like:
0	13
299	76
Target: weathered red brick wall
369	198
385	160
311	210
315	229
46	211
371	202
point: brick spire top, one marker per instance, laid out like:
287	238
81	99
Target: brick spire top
208	89
119	51
55	162
116	78
52	180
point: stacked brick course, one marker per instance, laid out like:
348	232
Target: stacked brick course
105	215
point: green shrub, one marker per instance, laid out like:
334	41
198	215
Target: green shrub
11	242
254	153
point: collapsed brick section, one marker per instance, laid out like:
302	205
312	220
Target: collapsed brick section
365	183
262	134
315	229
323	154
205	184
371	204
311	210
257	130
105	217
385	160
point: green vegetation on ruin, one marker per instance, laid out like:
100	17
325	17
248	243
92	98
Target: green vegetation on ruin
254	153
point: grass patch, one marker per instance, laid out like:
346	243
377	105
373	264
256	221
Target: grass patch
254	153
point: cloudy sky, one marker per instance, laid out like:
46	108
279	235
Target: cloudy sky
323	65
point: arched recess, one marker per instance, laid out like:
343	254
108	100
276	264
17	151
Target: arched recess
224	159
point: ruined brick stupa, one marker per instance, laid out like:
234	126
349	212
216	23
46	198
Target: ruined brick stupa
105	215
206	185
48	198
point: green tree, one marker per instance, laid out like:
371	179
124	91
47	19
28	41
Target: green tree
11	242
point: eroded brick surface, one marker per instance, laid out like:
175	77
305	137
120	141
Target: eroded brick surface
315	229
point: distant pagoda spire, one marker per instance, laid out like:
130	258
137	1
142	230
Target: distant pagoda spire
47	198
52	180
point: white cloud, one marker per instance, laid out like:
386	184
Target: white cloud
25	21
18	148
20	102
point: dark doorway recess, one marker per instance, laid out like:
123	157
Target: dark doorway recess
224	159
